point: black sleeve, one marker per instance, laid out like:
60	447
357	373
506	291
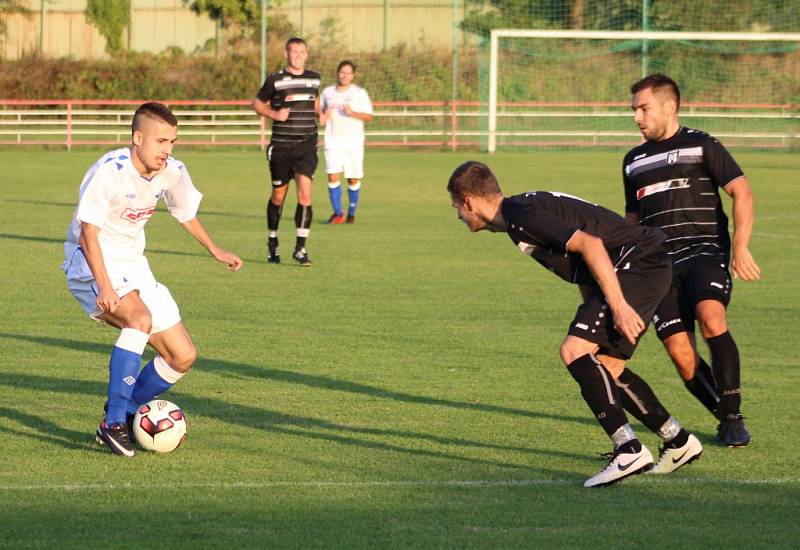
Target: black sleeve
719	163
547	228
267	90
630	190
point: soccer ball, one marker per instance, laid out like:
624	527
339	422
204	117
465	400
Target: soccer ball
159	426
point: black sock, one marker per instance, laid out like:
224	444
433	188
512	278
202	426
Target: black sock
302	221
639	400
703	387
725	363
599	392
273	215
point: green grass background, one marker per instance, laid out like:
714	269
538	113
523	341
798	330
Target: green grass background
405	391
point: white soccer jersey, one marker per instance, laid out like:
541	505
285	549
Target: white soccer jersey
117	199
342	132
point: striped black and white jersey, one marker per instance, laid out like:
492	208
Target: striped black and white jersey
541	223
298	93
674	185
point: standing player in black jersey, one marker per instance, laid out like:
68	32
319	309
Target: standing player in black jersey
290	98
672	182
623	273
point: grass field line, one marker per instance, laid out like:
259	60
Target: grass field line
775	235
455	483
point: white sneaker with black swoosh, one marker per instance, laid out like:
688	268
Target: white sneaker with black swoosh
621	466
670	459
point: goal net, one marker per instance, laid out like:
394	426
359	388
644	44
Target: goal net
561	88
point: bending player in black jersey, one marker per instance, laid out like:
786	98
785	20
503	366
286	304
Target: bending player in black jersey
672	182
289	98
623	273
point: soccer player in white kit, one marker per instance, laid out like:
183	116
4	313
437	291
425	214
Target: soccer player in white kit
346	107
109	276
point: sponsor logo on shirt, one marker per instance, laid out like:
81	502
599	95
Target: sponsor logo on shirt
661	186
133	215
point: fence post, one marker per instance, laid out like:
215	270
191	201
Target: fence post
69	126
453	126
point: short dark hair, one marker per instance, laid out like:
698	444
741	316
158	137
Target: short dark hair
344	64
155	111
473	178
295	40
659	83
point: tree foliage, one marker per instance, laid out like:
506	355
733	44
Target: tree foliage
111	18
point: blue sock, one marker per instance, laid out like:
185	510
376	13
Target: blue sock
126	358
352	194
156	378
335	194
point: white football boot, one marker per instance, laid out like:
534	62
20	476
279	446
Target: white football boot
621	466
670	459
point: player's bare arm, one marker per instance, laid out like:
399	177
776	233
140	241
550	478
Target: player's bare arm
742	263
626	320
107	298
265	109
198	231
366	117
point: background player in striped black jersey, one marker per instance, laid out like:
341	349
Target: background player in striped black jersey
672	182
623	273
290	98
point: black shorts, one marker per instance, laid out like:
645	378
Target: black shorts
287	160
644	283
705	280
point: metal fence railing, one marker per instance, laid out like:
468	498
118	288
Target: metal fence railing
432	124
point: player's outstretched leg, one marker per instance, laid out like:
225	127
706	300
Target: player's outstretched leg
353	192
679	447
602	395
123	369
725	362
274	212
302	218
335	195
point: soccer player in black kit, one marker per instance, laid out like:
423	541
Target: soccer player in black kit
672	182
623	273
290	98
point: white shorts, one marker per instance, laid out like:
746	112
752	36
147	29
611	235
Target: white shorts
125	277
349	162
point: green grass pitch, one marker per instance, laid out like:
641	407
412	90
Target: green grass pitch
405	391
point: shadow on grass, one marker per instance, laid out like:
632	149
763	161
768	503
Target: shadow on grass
217	366
269	421
49	432
61	242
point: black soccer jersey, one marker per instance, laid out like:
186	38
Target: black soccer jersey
674	185
541	223
298	93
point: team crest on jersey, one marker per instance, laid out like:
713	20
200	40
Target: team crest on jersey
133	215
672	157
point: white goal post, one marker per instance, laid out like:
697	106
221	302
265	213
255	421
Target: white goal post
498	34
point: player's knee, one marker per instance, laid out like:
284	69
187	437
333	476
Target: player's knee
183	361
570	351
712	327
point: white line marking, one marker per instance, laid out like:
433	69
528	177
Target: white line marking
390	484
775	235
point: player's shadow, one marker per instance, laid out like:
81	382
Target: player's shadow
61	242
47	431
276	422
218	366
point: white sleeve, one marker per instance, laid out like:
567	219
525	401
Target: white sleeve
365	105
96	195
183	199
